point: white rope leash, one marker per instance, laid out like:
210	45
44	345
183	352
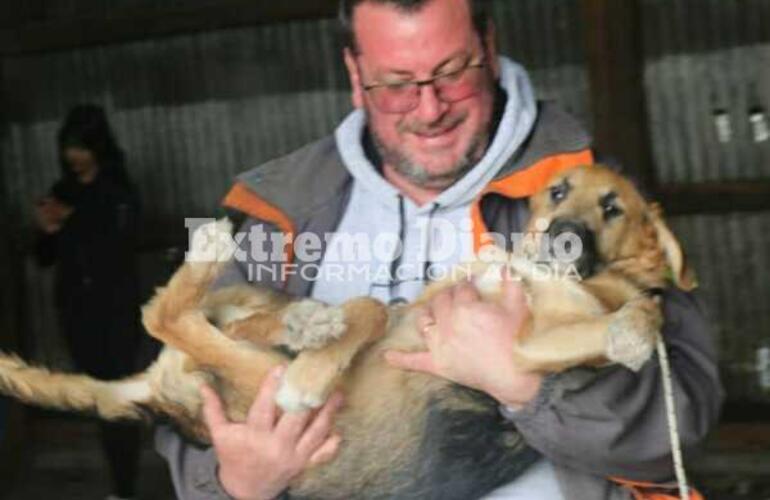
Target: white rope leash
673	426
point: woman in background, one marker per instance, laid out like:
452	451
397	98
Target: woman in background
87	229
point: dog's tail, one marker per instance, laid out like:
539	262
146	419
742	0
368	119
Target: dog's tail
111	400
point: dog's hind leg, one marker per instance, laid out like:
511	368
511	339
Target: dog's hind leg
240	365
210	249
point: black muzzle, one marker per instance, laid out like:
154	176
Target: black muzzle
571	242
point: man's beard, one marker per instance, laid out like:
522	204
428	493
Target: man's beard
418	175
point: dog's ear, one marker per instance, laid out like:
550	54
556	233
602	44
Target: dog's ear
680	273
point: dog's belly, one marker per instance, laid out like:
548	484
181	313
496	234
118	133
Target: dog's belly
413	436
405	435
463	453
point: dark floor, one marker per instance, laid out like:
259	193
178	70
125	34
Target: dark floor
63	461
736	463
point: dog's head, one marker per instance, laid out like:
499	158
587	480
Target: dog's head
618	229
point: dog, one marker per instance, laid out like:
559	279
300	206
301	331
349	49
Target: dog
406	435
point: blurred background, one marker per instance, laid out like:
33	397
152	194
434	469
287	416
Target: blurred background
198	90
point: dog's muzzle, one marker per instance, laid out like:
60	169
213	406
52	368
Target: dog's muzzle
573	243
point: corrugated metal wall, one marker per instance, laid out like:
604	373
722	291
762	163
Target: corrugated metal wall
708	61
708	66
192	111
545	36
16	12
731	256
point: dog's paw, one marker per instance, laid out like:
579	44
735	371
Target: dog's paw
212	243
291	399
311	325
307	383
633	333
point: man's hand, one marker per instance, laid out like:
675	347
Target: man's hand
471	342
259	457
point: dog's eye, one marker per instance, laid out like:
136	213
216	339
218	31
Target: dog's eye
609	206
611	211
560	191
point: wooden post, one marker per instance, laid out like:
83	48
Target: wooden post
615	53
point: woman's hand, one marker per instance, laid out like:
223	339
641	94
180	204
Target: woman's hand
259	457
50	214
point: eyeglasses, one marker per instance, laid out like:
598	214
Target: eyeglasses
403	97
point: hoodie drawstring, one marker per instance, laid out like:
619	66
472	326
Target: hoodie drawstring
428	264
395	264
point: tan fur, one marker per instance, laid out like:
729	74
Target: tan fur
227	337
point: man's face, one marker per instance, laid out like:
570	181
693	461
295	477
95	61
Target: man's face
435	143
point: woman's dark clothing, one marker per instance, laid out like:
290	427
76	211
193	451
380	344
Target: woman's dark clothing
97	297
96	289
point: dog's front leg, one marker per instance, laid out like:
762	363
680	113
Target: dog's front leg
311	377
633	331
626	336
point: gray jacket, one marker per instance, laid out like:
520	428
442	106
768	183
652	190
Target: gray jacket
590	423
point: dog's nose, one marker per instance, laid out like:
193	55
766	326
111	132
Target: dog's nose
564	233
566	226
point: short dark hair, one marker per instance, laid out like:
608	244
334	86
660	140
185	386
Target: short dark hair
346	7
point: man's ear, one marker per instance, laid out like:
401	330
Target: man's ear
357	90
681	274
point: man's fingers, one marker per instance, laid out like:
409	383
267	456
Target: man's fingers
290	426
213	413
465	293
441	306
424	318
514	297
414	361
319	429
326	451
263	411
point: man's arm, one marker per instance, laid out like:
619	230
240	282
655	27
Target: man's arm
612	421
193	469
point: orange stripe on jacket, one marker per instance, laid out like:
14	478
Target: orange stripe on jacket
523	184
642	490
242	198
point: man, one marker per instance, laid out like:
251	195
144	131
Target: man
444	132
